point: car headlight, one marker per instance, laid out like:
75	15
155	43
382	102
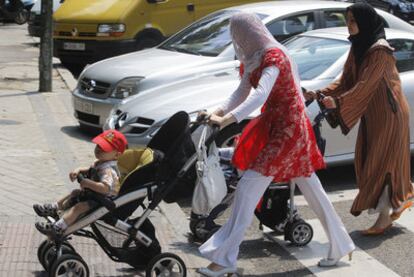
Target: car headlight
126	87
110	30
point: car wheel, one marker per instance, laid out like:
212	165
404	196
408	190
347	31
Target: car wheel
146	42
21	16
226	136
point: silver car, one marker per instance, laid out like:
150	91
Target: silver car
320	56
203	48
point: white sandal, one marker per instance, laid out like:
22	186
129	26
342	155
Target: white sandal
211	273
330	262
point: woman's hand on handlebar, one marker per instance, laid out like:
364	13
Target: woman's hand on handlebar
202	116
309	95
221	121
329	102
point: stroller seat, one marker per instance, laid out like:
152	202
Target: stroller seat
136	167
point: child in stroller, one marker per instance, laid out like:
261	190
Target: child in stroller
102	177
148	176
275	210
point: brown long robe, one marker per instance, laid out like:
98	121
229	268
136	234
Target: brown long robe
373	94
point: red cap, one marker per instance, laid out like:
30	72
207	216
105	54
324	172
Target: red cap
111	140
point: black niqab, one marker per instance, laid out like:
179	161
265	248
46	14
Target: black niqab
371	29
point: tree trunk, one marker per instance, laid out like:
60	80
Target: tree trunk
46	47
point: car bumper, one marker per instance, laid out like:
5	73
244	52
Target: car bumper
93	50
91	111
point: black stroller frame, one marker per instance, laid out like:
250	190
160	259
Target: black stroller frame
58	256
294	228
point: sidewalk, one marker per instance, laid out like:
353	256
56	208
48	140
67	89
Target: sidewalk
40	144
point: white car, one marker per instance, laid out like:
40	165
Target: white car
320	55
202	48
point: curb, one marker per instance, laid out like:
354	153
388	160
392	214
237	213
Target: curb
66	76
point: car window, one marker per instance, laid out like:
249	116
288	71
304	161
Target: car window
404	54
287	27
315	55
334	18
208	36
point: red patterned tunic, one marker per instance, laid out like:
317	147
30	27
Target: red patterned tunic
280	141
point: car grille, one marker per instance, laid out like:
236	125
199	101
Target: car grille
82	34
141	125
90	118
100	90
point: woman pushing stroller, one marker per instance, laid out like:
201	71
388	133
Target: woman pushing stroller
278	145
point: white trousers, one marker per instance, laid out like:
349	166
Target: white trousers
223	247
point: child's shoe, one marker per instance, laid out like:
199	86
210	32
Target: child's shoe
49	229
46	210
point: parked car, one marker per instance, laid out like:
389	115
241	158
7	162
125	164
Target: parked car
202	48
16	10
93	30
320	55
33	24
403	9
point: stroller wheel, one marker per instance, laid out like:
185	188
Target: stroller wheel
166	264
193	225
212	232
299	232
40	250
199	229
69	265
49	253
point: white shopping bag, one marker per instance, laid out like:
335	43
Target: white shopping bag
211	186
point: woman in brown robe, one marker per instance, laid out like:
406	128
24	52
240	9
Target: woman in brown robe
370	91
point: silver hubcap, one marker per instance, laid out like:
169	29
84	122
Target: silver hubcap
167	267
71	268
301	233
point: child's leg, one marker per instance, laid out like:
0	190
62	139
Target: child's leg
57	229
73	213
64	202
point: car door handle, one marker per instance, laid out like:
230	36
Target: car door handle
190	7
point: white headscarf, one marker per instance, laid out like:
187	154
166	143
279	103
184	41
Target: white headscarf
251	40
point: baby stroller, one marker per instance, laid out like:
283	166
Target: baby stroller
275	210
160	172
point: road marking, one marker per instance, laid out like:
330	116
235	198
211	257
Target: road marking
362	263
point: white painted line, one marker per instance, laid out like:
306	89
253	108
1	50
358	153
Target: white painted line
362	263
335	196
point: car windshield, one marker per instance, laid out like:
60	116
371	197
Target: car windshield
315	55
207	37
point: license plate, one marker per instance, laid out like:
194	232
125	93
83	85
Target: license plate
83	106
75	46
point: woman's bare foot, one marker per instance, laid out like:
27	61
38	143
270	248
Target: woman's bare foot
384	220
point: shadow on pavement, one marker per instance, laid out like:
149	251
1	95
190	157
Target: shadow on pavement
373	242
78	133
